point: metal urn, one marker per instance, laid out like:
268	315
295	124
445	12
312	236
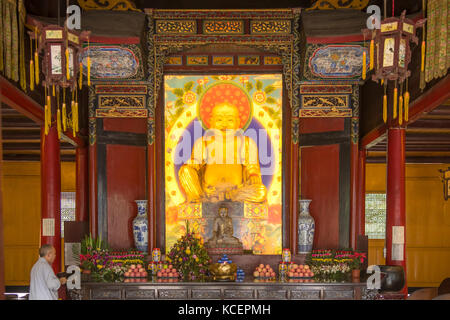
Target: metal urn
140	226
306	227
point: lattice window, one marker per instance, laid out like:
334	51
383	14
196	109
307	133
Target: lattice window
67	209
376	215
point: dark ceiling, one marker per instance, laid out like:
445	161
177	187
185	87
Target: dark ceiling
49	8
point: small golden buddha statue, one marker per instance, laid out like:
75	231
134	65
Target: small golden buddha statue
222	233
224	164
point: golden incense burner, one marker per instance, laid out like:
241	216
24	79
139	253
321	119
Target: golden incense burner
223	271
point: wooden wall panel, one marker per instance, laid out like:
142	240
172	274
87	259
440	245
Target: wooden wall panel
320	182
316	125
21	183
126	177
427	222
138	125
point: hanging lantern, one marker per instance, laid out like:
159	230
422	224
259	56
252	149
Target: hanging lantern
60	66
393	56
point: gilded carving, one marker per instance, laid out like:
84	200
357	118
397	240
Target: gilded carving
119	5
339	4
121	113
325	101
125	101
176	26
248	60
223	27
270	26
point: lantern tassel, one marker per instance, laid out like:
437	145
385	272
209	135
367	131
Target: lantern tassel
364	66
31	75
77	128
80	80
72	105
400	110
49	112
372	49
385	108
89	71
422	65
36	67
58	123
406	105
64	119
67	64
395	103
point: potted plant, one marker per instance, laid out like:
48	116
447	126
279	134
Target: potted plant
357	261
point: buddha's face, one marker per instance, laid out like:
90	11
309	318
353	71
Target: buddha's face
225	117
223	212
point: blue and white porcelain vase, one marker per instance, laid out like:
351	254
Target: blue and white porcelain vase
306	227
140	226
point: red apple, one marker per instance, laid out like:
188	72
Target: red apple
133	266
295	274
312	274
139	266
126	274
170	274
291	274
256	274
272	274
144	274
261	266
159	274
300	274
306	266
267	266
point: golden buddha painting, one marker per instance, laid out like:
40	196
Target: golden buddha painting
223	148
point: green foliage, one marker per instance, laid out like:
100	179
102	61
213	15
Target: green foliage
249	86
178	92
179	103
259	85
271	100
189	256
199	90
269	89
188	86
89	243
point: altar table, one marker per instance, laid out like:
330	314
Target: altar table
247	290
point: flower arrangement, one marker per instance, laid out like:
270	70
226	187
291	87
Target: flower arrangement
334	265
189	256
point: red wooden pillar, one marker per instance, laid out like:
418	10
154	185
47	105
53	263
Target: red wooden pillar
93	218
353	193
81	205
294	196
51	193
151	197
395	200
361	194
2	244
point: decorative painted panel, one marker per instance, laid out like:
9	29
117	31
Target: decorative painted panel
334	62
323	89
197	60
305	294
238	294
223	27
173	294
125	101
272	294
248	60
121	113
223	60
113	62
206	294
269	60
174	61
270	26
176	26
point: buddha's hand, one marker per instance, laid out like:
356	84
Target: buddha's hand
254	180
